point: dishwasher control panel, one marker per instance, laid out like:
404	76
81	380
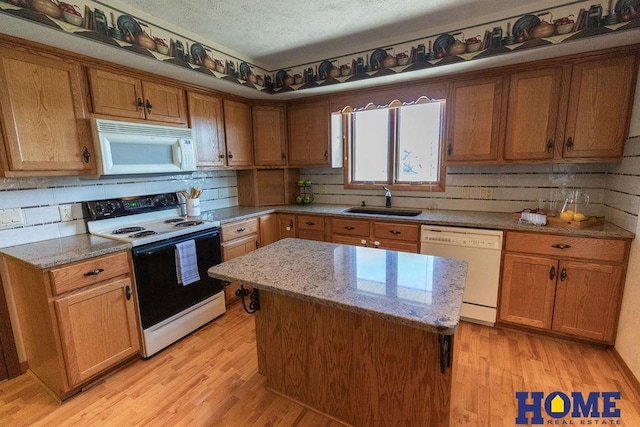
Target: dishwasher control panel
474	238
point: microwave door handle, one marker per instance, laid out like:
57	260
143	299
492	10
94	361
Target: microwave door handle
179	154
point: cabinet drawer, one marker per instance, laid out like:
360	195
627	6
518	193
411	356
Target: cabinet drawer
352	227
390	230
310	222
567	246
349	240
239	229
311	235
396	245
74	276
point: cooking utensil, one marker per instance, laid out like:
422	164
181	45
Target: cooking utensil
543	28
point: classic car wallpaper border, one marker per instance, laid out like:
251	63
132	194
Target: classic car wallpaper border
99	22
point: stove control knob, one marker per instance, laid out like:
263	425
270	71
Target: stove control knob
171	199
98	208
110	207
162	201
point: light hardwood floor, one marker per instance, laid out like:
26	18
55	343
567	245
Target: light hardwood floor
210	379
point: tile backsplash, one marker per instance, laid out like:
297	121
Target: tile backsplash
622	192
39	199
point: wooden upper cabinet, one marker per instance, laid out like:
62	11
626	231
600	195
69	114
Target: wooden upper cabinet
309	143
532	115
207	121
600	102
42	107
120	95
269	129
237	126
474	110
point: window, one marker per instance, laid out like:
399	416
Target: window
396	145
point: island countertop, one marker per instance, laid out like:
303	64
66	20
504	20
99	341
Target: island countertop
416	290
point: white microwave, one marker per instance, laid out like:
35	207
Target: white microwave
126	148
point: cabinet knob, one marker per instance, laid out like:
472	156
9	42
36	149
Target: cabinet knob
570	144
561	246
310	223
221	156
94	272
128	292
349	228
257	244
291	223
230	155
376	244
449	149
240	230
549	145
563	274
395	232
140	105
284	157
552	273
363	242
326	155
86	155
148	106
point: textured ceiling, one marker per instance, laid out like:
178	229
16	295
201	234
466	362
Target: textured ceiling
277	34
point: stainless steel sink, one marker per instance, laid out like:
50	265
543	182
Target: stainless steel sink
383	211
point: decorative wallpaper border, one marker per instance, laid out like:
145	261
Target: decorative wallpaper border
96	21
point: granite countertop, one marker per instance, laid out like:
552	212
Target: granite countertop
488	220
54	252
421	291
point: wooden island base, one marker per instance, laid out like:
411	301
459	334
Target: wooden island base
362	370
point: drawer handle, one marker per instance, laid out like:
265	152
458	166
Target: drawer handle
552	273
128	292
309	223
350	228
94	272
240	230
561	246
563	274
394	232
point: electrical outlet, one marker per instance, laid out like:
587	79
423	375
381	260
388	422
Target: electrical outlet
11	217
65	212
486	193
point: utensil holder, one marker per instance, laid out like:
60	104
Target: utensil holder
193	207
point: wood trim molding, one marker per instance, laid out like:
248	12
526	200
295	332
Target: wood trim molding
626	371
8	351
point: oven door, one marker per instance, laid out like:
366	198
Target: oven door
159	294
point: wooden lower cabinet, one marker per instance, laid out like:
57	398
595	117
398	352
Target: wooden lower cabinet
311	227
268	229
376	234
286	226
559	293
238	238
77	321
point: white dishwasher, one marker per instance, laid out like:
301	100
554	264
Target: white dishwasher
481	249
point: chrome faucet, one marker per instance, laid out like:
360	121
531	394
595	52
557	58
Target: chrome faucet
387	195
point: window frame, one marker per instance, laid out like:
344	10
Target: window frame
348	133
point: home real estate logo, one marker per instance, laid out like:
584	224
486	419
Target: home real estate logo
558	408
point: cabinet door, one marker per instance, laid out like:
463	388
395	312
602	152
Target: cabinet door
309	142
286	226
98	328
599	108
269	129
164	103
587	300
532	114
474	113
349	240
206	120
115	94
237	126
528	288
44	115
268	229
234	249
396	245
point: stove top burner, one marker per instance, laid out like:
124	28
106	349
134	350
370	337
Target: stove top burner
188	223
127	230
143	233
173	220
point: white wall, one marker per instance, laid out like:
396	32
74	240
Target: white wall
628	340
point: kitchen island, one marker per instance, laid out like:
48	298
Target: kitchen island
360	334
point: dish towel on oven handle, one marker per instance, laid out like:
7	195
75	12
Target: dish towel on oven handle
186	262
